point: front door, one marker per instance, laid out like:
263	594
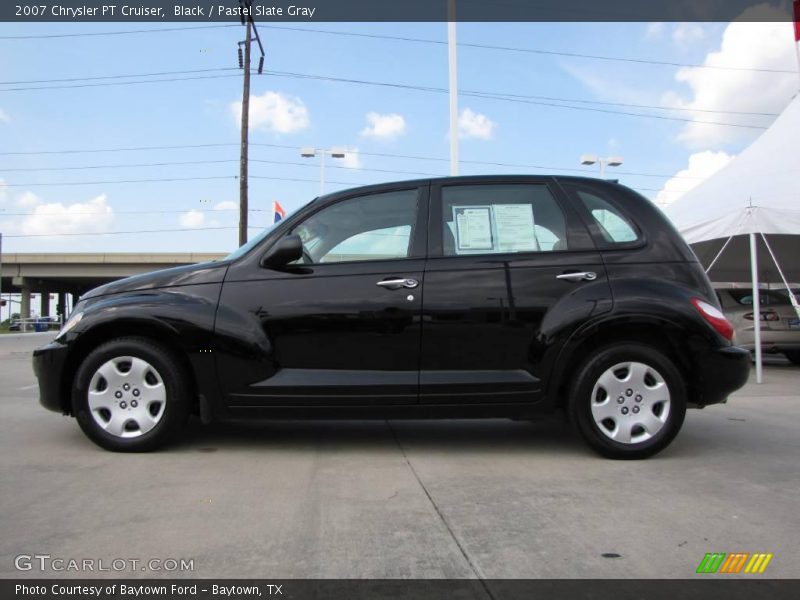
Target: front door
503	284
342	325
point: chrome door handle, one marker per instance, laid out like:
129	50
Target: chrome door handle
579	276
396	284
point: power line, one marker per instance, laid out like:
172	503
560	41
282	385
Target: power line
115	83
116	166
94	233
156	74
204	162
474	93
483	95
529	50
160	180
291	147
126	149
407	39
124	212
498	96
104	33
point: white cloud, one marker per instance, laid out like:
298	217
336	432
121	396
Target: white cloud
654	31
192	219
27	200
385	127
702	165
3	190
276	112
351	160
94	216
684	34
749	45
227	205
610	84
4	118
475	125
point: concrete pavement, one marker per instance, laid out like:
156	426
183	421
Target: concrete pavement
436	499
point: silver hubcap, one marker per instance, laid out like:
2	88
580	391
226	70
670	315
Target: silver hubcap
127	396
630	402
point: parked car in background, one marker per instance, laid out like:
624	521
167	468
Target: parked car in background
780	324
467	297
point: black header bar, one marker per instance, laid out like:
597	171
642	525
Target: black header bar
304	11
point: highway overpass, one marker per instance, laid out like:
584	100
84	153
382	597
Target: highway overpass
75	274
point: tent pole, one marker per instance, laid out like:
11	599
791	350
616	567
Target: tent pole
756	305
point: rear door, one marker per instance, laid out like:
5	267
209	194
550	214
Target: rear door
511	271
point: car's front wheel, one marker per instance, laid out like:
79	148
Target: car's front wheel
628	401
130	395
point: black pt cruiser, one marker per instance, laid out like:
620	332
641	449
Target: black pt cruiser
467	297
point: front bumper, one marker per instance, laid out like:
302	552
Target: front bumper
720	372
48	366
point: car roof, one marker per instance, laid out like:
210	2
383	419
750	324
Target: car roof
467	179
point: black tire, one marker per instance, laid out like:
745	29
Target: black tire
793	356
172	416
580	401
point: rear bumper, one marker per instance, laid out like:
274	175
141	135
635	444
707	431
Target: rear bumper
721	371
48	366
772	340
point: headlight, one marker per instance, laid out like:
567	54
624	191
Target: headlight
73	320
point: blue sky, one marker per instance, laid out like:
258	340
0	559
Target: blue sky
303	112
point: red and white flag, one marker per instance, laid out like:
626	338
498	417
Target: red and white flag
277	212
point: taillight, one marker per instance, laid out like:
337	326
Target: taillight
769	315
714	317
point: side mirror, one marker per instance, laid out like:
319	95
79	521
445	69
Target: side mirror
288	249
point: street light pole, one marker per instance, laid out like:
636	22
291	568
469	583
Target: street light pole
611	161
322	172
453	72
312	152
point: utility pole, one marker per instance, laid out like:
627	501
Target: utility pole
243	210
244	63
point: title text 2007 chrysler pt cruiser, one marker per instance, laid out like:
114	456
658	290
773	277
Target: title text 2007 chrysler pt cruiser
495	296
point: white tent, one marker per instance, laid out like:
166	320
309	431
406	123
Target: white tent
744	221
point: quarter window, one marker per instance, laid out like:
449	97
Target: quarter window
374	227
501	219
613	225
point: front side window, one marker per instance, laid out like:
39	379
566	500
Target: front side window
500	219
374	227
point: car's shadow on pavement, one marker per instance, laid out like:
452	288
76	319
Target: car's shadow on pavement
455	436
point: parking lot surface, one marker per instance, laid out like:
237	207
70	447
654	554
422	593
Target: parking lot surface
462	499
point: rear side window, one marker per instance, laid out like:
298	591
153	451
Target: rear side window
501	219
766	297
614	227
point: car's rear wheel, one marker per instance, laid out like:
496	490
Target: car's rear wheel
628	401
130	395
793	356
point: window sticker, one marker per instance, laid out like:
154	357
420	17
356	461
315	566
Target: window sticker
515	228
473	228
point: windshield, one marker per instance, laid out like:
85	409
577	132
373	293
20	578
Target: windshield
242	250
